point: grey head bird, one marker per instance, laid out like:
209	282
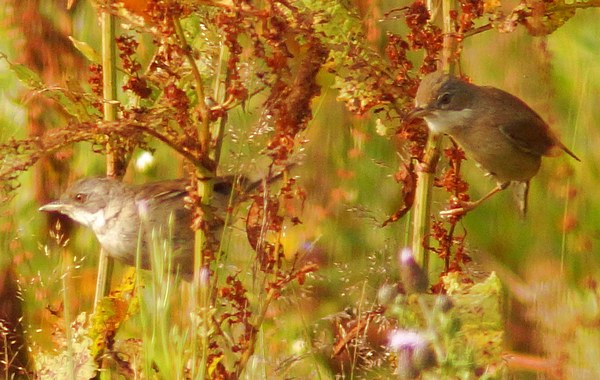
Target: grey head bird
121	215
496	129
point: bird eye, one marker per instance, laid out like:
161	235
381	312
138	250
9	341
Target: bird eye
444	99
80	197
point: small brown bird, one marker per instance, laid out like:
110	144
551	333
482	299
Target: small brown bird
496	129
126	218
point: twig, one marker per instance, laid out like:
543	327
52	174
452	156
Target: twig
204	134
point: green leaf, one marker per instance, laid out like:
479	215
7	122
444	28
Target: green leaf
24	73
72	103
87	51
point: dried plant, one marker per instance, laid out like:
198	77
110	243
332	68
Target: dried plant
268	56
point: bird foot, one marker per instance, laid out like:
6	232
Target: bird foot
458	208
424	167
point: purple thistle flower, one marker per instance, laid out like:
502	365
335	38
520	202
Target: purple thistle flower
414	351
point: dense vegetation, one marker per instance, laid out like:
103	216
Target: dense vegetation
316	275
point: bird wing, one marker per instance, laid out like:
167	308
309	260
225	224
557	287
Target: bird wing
530	137
534	138
162	190
164	201
526	129
522	125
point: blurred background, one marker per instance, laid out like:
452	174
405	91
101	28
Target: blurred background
346	166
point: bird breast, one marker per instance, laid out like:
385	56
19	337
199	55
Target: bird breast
496	154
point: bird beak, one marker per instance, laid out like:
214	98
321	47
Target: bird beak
74	212
416	113
55	206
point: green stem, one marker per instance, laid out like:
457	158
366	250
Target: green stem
67	312
109	83
223	121
256	326
436	340
205	174
204	134
114	166
422	206
200	299
450	44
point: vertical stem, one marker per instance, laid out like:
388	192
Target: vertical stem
204	134
200	297
66	268
223	122
200	302
109	79
422	207
450	44
422	213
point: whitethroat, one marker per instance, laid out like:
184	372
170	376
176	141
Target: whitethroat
496	129
126	218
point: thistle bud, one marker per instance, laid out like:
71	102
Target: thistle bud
444	303
413	276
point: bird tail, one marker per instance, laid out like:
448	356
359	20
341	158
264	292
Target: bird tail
521	193
568	151
558	148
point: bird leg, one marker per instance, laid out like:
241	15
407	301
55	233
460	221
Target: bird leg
465	207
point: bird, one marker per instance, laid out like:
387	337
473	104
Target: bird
126	218
495	128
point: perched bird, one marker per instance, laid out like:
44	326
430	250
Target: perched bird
124	217
496	129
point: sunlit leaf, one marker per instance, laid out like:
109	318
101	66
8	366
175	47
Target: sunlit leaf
85	49
25	74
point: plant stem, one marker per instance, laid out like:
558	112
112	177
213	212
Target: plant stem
223	122
65	258
204	134
450	44
114	164
204	175
109	83
422	213
422	207
436	340
256	326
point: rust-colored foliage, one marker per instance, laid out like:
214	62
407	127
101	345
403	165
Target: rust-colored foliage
471	10
136	83
170	108
423	35
290	47
234	294
359	340
408	177
43	46
263	220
